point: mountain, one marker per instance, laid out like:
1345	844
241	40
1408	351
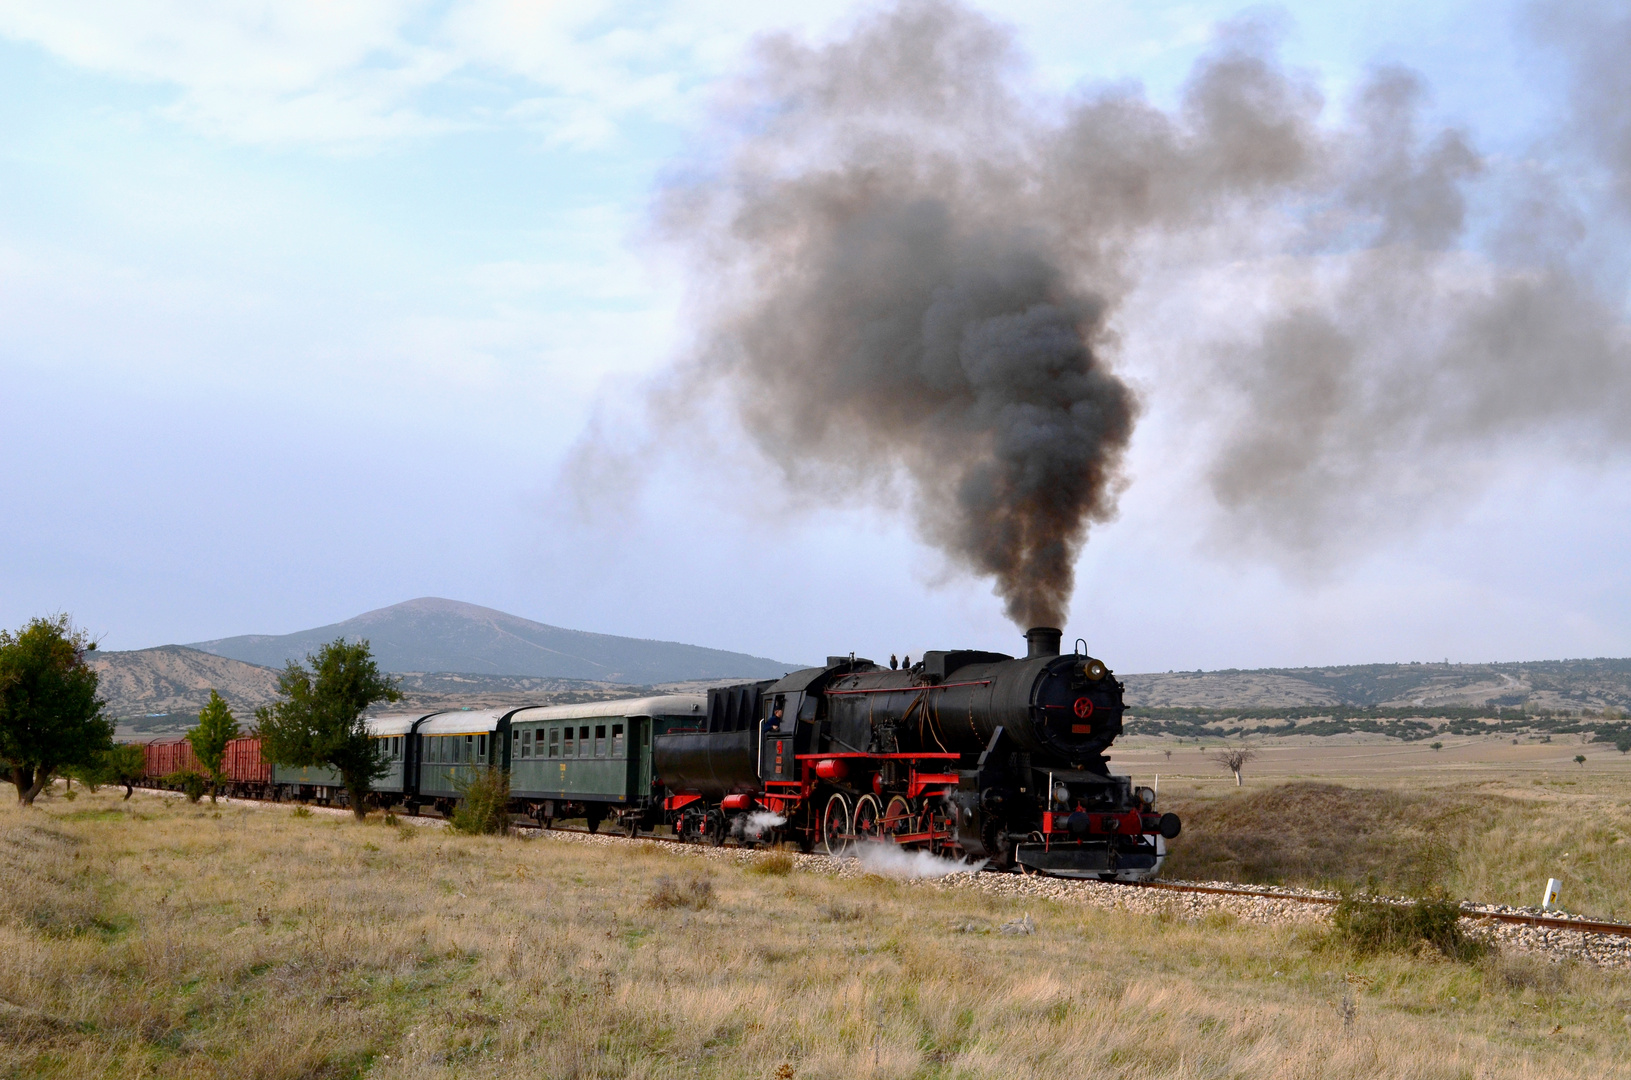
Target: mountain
1534	684
176	679
435	635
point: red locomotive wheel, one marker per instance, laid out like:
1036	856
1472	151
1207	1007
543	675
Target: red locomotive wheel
868	820
835	834
897	817
1084	707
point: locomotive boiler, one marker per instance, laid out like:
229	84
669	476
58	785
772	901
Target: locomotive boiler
965	753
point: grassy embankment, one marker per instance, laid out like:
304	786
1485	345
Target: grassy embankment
156	938
1491	841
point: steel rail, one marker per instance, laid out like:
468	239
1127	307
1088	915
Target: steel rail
1549	922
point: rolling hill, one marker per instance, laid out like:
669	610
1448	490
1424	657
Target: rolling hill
435	635
173	679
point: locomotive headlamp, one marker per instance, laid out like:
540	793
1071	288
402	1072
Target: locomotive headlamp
1061	795
1145	796
1094	669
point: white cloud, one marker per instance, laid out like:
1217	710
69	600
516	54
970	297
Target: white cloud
357	73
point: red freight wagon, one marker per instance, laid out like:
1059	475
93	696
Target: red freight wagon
170	756
247	773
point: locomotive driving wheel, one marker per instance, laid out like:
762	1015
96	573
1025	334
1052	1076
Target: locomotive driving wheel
835	831
897	817
868	819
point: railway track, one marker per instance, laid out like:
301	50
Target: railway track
1468	909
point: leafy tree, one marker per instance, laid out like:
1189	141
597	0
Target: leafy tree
1580	760
50	716
216	726
122	764
318	722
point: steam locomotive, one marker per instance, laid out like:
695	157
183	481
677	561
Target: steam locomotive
965	753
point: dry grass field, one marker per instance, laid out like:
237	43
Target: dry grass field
156	938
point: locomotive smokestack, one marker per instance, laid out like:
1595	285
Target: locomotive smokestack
1042	641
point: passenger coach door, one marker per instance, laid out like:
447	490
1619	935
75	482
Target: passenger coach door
639	755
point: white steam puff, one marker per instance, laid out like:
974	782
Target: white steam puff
762	821
892	860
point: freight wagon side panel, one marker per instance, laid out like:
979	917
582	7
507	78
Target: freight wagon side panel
242	763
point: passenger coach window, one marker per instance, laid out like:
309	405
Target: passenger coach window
600	740
481	748
569	752
554	742
526	743
583	742
617	740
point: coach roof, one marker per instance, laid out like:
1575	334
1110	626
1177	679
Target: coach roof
663	705
395	723
464	722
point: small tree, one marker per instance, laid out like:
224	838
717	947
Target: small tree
50	716
122	764
216	727
318	722
1580	760
1234	759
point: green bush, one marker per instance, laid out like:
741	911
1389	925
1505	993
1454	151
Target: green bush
188	781
1368	926
484	803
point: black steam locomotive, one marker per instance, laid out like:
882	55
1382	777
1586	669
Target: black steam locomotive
965	753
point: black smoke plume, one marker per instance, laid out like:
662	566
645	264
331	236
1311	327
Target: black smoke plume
911	270
909	276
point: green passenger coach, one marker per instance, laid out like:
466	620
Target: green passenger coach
453	748
593	760
392	733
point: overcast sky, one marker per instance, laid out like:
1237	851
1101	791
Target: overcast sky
303	305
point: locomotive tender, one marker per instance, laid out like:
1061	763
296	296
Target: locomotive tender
965	753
